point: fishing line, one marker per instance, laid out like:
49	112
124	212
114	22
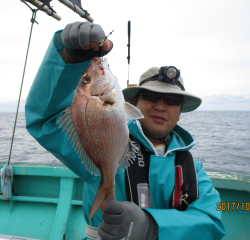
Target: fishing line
198	151
33	20
124	19
103	39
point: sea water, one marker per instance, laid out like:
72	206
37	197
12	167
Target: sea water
223	140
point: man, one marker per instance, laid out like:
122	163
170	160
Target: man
176	195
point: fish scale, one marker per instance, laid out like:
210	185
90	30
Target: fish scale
109	123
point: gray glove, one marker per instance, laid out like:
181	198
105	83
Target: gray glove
125	220
80	34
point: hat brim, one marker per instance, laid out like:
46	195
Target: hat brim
191	102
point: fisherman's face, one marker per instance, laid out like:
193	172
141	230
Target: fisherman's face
159	118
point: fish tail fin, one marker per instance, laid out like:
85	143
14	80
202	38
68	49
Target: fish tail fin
99	198
101	195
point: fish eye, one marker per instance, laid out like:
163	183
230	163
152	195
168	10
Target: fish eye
87	79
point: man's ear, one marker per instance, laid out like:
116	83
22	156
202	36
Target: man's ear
180	114
181	109
134	101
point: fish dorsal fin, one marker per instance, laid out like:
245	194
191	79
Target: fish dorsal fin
128	158
132	112
66	122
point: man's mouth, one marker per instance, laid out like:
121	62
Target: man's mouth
158	119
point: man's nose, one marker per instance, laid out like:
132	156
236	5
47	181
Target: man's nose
160	105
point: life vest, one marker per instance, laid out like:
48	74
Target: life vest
137	183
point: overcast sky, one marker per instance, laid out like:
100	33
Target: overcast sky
209	41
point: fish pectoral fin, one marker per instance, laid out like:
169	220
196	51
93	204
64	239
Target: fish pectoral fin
130	145
128	158
132	112
66	122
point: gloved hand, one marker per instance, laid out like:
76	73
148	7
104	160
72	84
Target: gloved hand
82	39
125	220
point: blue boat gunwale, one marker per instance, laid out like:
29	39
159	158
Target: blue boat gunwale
59	170
230	181
41	169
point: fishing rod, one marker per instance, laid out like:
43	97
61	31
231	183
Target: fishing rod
44	5
128	57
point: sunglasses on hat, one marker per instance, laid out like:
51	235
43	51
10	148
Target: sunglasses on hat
173	100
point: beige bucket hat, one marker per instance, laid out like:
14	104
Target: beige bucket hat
191	102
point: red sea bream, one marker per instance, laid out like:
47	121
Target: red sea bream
97	124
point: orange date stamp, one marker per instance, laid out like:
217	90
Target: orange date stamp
233	206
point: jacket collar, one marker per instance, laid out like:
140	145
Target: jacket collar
180	139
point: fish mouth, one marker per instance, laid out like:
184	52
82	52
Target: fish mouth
100	94
102	88
104	83
105	92
108	96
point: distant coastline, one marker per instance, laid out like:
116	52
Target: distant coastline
210	103
11	106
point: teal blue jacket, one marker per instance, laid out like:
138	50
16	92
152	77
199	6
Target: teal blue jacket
52	91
